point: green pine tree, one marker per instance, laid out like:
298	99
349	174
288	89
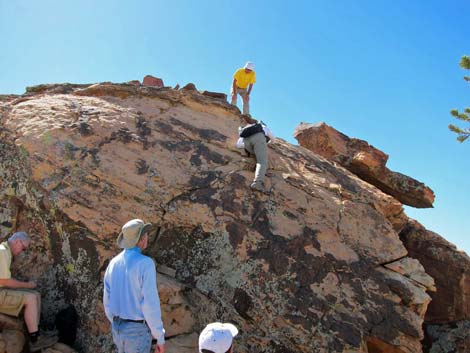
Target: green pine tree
462	133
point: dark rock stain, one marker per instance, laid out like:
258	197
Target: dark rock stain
142	126
236	181
242	303
285	255
93	153
236	232
275	347
79	241
179	248
123	134
85	129
141	166
69	150
289	215
164	128
204	151
199	151
204	134
345	329
228	204
204	179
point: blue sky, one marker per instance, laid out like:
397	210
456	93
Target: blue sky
383	71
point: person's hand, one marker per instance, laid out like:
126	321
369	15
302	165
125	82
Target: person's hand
160	348
247	97
31	284
234	97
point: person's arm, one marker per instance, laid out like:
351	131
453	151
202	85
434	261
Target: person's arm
250	87
159	348
106	296
268	133
234	88
151	303
14	283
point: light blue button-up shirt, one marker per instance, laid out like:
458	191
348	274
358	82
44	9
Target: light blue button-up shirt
130	290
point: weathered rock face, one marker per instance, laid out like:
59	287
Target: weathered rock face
450	269
365	161
315	266
448	315
448	338
12	338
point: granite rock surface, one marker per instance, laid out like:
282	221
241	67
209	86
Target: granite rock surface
316	265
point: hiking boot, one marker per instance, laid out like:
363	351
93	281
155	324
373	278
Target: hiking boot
43	342
258	187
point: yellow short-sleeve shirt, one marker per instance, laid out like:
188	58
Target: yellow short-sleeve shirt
243	78
5	260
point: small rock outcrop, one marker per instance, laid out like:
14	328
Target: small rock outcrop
365	161
151	81
451	301
318	265
134	83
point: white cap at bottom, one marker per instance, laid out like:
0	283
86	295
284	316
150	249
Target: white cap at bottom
217	337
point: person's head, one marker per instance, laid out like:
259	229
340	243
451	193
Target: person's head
134	233
18	242
249	66
217	337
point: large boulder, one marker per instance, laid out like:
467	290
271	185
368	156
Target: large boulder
365	161
448	316
450	269
316	265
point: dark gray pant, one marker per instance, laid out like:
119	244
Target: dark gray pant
256	144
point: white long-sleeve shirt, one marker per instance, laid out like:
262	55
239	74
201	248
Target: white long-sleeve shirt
130	291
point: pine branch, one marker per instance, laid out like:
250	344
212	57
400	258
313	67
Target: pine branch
462	134
455	129
465	62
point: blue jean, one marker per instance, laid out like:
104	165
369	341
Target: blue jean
131	337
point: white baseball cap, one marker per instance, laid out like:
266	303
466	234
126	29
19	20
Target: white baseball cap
217	337
249	65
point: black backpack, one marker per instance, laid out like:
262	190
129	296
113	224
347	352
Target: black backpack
251	129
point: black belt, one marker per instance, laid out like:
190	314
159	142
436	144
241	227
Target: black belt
117	318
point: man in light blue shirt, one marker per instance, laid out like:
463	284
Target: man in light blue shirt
130	297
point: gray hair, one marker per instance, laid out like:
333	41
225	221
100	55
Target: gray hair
20	236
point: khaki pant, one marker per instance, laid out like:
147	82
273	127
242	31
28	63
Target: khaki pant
256	144
12	301
243	93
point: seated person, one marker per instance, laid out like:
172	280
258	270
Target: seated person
16	295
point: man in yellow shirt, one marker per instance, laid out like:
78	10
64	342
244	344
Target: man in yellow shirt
16	295
242	84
